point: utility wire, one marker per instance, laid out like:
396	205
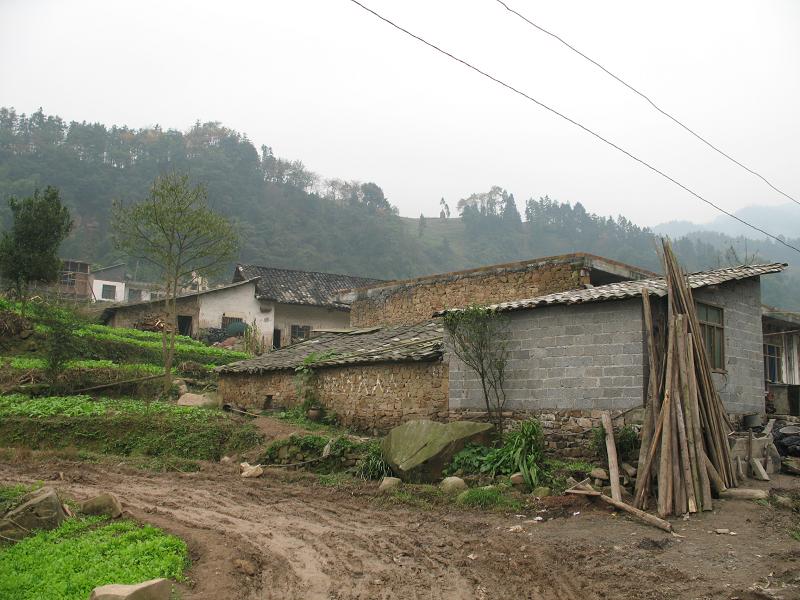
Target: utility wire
648	99
566	118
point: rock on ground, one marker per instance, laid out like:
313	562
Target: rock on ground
41	509
420	450
254	471
598	473
541	492
517	479
155	589
450	485
389	483
198	400
104	504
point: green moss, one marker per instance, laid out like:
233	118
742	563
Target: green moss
68	562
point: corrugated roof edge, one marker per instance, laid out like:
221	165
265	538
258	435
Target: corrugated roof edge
631	289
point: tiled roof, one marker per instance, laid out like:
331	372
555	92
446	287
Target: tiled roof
406	343
631	289
301	287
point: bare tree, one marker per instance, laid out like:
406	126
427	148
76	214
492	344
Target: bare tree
174	229
479	339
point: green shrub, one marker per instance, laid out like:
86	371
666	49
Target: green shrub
68	562
626	439
487	497
372	465
468	461
122	427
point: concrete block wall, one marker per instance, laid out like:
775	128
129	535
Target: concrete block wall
741	384
579	357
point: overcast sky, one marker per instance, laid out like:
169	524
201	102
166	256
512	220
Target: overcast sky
327	83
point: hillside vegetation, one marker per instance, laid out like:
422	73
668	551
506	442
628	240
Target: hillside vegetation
289	217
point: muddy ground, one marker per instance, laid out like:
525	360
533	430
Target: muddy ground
314	542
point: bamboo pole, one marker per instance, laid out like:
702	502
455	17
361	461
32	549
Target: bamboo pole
611	449
648	426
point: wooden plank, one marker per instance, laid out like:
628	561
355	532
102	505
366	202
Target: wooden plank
759	472
652	392
611	449
665	458
714	477
640	514
768	427
700	450
744	494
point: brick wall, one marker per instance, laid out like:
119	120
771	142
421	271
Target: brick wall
580	357
414	301
367	397
741	385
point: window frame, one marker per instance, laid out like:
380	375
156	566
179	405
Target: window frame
294	339
720	327
778	358
104	288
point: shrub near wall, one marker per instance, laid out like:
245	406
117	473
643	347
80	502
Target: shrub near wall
121	427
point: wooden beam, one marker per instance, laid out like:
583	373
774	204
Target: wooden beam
611	449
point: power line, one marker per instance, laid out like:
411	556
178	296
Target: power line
566	118
649	100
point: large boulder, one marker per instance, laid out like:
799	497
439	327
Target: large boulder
420	450
104	504
41	509
155	589
198	400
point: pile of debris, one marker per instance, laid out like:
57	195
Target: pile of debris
685	450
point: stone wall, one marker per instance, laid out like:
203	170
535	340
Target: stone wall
579	357
741	383
415	300
368	397
128	316
567	433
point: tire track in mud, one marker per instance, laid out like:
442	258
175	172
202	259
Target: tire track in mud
320	543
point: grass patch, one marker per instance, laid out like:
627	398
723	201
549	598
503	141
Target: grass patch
122	427
11	494
68	562
795	534
419	496
488	498
335	480
297	416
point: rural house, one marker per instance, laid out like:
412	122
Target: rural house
782	361
295	303
285	305
573	353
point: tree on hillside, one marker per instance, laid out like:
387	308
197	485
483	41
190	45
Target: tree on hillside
29	250
176	231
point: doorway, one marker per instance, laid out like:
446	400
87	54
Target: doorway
184	325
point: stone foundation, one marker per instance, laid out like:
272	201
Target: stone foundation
567	433
371	398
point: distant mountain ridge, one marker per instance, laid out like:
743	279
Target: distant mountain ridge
782	219
290	218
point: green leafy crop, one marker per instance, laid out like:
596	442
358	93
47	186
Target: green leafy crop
68	562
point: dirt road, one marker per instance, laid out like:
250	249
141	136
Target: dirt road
312	542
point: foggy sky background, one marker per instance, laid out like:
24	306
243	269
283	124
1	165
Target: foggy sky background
324	82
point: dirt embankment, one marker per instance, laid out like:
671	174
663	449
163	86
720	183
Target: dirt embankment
312	542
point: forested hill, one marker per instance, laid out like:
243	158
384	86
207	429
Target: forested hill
289	217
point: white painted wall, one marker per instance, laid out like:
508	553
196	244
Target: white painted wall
318	317
97	289
239	301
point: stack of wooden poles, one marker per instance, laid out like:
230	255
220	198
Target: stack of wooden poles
685	451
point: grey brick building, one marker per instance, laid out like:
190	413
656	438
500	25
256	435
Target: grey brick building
585	350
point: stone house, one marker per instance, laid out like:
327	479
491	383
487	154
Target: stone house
415	300
574	353
285	305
